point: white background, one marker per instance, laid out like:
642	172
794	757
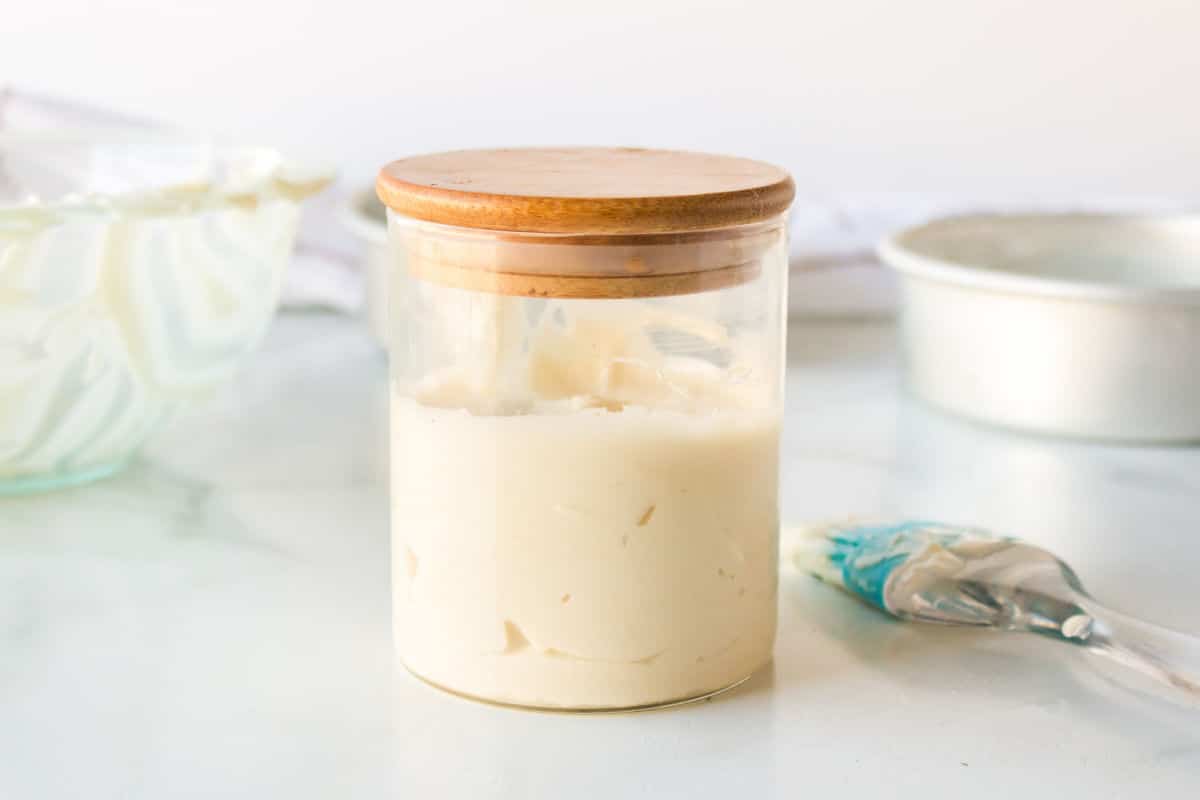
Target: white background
1029	97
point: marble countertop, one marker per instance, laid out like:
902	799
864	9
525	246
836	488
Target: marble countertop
214	623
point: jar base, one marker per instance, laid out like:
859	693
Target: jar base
35	484
680	701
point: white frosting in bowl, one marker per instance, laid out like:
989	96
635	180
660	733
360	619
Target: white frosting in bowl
115	309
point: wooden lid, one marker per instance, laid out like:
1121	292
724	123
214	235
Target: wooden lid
585	190
586	265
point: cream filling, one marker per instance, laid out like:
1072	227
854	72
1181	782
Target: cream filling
612	544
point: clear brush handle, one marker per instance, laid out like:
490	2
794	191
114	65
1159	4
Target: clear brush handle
1020	588
1168	658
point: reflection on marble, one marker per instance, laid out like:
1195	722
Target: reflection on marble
214	622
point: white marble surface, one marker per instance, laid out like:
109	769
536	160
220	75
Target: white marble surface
214	623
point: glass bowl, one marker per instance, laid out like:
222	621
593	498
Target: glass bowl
135	274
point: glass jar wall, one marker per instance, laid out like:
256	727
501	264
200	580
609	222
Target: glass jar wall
585	456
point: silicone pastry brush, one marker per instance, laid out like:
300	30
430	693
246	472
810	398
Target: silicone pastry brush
929	572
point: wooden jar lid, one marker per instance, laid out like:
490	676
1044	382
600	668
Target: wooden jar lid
642	222
585	190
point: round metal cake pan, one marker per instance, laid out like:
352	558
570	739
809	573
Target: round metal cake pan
1067	324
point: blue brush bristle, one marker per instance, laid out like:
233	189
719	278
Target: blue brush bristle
864	557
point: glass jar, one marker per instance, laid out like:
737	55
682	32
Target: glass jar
587	352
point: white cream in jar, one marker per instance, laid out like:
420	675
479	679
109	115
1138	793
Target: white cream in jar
584	552
586	353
